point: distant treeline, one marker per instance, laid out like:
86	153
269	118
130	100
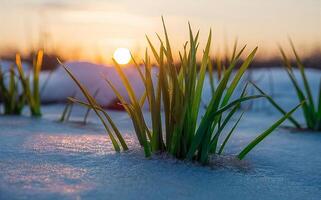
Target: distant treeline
312	61
49	60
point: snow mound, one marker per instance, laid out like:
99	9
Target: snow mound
6	64
60	86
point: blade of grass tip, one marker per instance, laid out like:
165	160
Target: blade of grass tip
168	47
153	50
211	76
261	137
239	54
93	105
37	69
286	61
269	98
229	135
238	76
64	113
234	49
24	82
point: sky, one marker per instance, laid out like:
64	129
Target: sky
93	29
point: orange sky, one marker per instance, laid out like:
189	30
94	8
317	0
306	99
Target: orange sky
94	29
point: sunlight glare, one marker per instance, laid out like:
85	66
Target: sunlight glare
122	56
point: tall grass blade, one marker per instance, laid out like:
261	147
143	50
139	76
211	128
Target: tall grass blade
93	104
270	99
229	135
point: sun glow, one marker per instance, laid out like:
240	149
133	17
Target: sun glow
122	56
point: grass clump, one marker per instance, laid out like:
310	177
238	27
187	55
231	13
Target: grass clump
181	132
31	90
311	110
13	101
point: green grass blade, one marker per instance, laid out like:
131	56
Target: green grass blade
133	110
211	76
64	112
93	105
257	140
126	83
300	94
305	81
199	87
36	73
110	121
319	107
234	50
229	135
236	102
238	76
221	128
89	109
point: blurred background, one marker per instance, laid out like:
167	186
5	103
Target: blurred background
92	30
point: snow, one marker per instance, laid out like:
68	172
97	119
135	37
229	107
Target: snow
44	159
6	64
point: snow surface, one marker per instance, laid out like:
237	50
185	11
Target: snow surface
44	159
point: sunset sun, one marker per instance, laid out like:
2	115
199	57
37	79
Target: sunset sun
122	56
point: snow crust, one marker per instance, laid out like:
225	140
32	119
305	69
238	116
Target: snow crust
44	159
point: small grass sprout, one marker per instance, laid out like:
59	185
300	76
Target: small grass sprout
31	91
65	116
13	101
